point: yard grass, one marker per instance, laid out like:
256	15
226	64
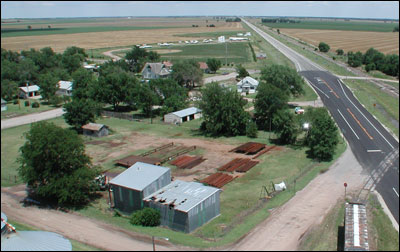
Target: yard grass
76	246
14	110
387	106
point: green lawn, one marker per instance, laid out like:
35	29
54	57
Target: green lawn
14	110
76	246
337	25
37	30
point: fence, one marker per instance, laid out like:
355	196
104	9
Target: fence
117	115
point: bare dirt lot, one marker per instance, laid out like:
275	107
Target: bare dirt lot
385	42
92	40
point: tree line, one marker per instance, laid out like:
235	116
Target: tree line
372	59
279	20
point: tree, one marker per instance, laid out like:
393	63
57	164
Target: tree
242	72
187	73
396	29
339	51
323	47
9	89
136	58
279	32
285	126
146	99
213	64
48	86
147	217
29	27
73	57
354	59
268	101
323	135
223	113
54	165
171	95
153	56
283	77
115	86
391	65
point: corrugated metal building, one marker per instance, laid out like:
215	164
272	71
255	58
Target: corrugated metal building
355	227
183	115
137	182
185	206
95	130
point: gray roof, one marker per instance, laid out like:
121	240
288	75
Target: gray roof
157	68
32	88
186	112
248	80
35	241
184	195
67	85
139	176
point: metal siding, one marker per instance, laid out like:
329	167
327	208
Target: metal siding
126	200
162	181
204	212
171	118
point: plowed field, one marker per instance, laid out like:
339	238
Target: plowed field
385	42
91	40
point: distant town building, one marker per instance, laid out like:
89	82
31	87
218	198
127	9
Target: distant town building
261	55
221	39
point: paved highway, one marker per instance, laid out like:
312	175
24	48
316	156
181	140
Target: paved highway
374	147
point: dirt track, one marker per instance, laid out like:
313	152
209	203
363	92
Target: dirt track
286	226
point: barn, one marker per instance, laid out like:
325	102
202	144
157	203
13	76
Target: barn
185	206
183	115
95	130
138	181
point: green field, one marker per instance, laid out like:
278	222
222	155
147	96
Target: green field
10	32
238	52
337	25
211	34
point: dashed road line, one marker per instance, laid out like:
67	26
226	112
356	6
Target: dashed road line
348	124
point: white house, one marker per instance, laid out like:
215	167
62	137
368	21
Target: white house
247	85
183	115
221	39
29	91
154	71
64	88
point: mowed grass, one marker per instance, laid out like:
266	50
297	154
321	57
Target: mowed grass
10	32
14	110
76	246
236	52
337	25
387	106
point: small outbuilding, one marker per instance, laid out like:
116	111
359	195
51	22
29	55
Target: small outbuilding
3	105
185	206
261	55
29	91
204	67
355	227
64	88
247	85
137	182
183	115
95	130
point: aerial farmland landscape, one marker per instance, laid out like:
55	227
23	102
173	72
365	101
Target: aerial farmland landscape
200	125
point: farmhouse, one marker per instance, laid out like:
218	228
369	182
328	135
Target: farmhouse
185	206
95	130
3	105
154	71
137	182
204	67
183	115
248	85
64	88
29	91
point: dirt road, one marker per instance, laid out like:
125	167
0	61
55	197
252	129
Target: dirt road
286	226
26	119
89	231
113	56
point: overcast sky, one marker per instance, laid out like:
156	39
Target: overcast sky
49	9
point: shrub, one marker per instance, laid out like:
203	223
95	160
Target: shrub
315	49
339	51
323	47
251	129
27	103
35	105
146	217
15	102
